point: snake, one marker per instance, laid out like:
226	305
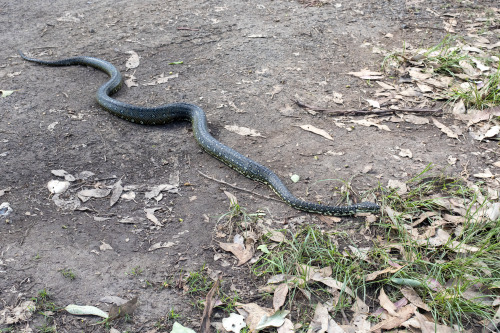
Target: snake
172	112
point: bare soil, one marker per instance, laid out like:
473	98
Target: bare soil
243	63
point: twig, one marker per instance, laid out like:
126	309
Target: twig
424	27
21	242
209	305
363	112
186	28
238	188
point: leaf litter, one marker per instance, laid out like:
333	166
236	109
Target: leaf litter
407	315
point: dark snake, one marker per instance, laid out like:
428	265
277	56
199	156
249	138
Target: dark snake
183	111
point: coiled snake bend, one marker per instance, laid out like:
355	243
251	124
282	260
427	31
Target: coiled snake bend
183	111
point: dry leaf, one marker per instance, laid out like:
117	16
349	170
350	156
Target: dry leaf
160	245
412	296
444	129
123	310
156	190
244	131
116	193
373	103
360	252
366	74
386	303
330	282
423	87
105	246
416	73
486	174
374	275
409	118
319	323
209	306
255	314
133	60
359	318
330	220
366	122
410	92
287	327
150	215
280	294
385	85
85	195
131	81
399	186
275	235
421	322
233	201
459	107
241	252
316	130
391	322
22	312
63	173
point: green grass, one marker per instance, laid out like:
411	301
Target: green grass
422	265
43	301
136	271
198	282
68	274
43	304
482	96
445	57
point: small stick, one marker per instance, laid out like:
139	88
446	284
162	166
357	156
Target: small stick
186	28
361	112
238	188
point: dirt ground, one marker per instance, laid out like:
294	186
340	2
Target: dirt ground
244	62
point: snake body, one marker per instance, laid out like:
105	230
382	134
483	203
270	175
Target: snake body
183	111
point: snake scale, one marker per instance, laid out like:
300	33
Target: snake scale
183	111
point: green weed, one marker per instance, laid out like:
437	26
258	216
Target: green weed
198	282
68	274
136	271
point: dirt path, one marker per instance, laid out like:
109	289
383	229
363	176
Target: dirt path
243	63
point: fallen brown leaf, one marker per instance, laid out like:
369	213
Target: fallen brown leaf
241	252
319	323
386	303
391	322
412	296
445	129
280	294
374	275
125	309
366	74
315	130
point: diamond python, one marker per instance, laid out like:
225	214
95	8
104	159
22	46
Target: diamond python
183	111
